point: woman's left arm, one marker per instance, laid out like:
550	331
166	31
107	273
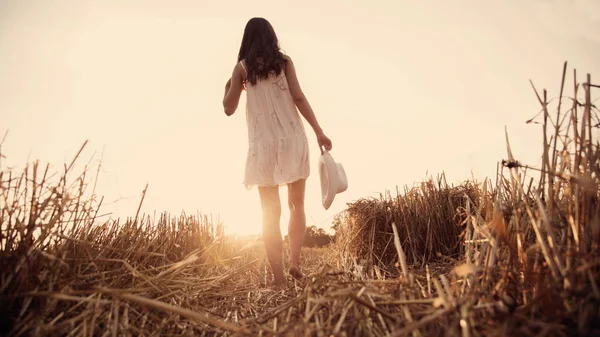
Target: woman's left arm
233	90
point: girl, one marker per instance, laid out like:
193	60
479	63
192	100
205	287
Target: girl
278	146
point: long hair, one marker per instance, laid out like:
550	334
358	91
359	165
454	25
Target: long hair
260	50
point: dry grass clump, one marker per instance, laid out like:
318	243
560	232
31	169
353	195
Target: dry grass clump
55	258
544	258
531	255
427	217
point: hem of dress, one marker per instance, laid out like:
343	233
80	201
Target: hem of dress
283	183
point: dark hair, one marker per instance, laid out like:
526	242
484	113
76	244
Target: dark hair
260	42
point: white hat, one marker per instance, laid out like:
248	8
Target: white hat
333	178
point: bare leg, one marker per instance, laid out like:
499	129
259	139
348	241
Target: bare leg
297	225
271	212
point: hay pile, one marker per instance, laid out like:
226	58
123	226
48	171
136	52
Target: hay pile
428	219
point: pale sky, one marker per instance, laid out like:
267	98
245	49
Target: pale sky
405	89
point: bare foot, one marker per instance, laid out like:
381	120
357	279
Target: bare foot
279	280
279	284
296	273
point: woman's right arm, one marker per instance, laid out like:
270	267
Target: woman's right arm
233	90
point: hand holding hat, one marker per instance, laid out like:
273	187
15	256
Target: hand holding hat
324	142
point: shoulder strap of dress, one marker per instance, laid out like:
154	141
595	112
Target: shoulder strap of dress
242	64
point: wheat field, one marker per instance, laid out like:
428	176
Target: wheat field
516	254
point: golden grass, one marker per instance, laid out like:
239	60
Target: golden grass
514	258
428	219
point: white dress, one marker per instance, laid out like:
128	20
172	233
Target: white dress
277	142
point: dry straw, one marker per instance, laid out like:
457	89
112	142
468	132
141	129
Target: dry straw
427	219
514	256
